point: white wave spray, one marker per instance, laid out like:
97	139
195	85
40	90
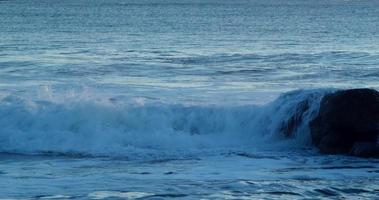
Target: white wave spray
114	129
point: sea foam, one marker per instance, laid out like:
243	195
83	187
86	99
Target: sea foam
109	128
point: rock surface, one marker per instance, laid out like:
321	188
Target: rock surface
348	123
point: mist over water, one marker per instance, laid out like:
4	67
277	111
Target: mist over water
179	99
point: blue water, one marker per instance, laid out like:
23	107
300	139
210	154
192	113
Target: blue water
212	51
178	99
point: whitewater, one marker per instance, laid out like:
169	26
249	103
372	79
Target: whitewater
112	128
181	99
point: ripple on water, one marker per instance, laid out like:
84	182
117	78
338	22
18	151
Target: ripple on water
117	194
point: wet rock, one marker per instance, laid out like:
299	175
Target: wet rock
289	126
348	123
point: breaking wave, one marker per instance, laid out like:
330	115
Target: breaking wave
113	129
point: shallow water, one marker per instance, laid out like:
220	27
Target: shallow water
233	175
178	99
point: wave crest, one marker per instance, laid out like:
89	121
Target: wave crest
108	129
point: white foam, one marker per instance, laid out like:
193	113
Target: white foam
86	126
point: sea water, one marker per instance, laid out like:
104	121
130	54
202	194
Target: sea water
186	99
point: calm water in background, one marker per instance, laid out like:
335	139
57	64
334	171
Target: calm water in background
165	99
189	50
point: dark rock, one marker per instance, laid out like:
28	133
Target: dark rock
365	149
300	111
348	123
289	126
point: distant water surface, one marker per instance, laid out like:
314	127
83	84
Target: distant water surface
189	50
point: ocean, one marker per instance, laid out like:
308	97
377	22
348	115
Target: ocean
185	99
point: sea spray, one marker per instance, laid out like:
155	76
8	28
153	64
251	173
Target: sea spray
101	128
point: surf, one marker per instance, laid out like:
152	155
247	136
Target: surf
109	128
